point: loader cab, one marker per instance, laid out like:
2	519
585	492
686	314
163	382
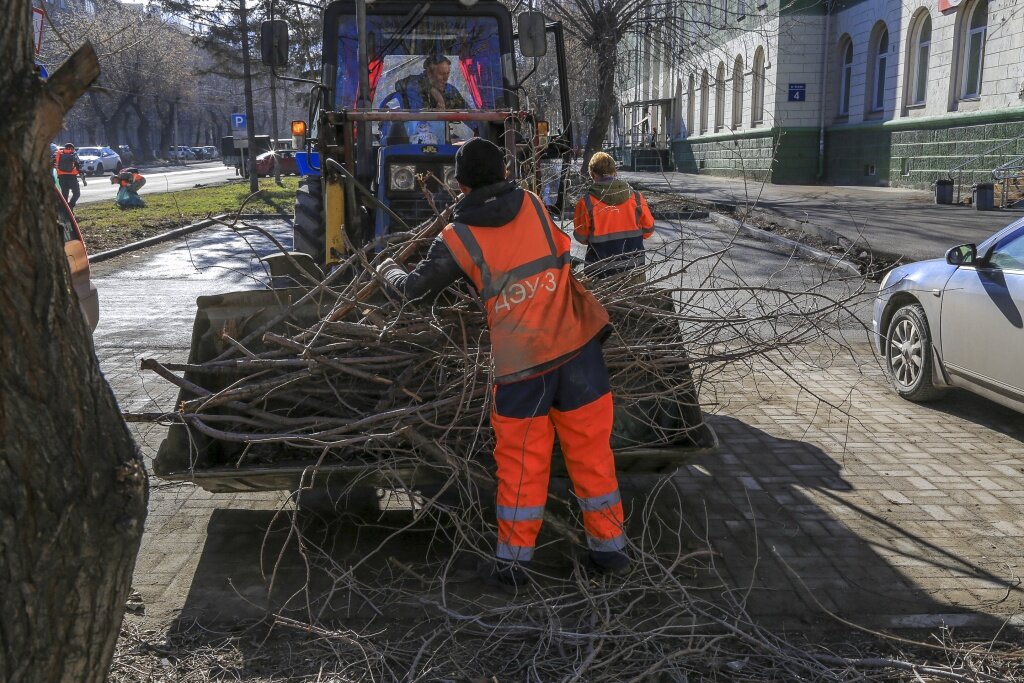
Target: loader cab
422	57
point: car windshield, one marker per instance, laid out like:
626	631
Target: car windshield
88	151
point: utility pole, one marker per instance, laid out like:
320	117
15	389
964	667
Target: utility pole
254	182
273	126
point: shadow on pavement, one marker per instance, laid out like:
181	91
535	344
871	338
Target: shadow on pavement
782	553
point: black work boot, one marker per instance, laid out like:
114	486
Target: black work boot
611	562
505	572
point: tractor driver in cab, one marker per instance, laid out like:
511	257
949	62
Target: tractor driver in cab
429	90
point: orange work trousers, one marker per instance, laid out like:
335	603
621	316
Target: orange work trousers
573	401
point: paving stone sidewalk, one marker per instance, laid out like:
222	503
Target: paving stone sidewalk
888	513
894	221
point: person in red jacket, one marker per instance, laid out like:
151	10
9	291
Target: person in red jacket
550	377
613	220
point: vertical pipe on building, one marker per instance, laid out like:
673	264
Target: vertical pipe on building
823	81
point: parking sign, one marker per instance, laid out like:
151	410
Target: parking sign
238	122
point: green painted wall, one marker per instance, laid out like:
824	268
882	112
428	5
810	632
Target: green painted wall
900	153
782	156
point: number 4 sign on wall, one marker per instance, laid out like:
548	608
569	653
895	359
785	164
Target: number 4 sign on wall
38	18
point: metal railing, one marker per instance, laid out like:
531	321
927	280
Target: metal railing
956	173
1004	174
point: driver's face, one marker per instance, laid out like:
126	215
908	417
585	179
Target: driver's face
439	74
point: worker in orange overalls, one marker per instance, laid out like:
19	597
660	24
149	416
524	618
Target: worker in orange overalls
613	220
130	182
68	171
546	331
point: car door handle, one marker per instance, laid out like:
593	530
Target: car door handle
936	292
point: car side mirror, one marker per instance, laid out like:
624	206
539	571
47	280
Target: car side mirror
274	43
963	255
533	38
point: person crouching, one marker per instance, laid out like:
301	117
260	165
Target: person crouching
130	182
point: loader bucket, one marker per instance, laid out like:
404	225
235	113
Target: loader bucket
676	426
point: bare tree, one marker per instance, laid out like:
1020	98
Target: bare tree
72	484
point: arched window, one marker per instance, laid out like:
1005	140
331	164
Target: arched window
973	49
876	76
757	92
919	50
690	104
845	74
720	97
704	93
737	93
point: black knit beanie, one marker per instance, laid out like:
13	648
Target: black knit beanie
479	162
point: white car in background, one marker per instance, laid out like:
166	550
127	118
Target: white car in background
99	160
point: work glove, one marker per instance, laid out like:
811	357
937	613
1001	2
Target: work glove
387	266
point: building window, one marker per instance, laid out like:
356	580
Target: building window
737	93
845	75
757	91
920	48
741	9
974	50
720	97
690	95
879	57
704	93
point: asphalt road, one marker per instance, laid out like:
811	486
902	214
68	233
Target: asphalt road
169	179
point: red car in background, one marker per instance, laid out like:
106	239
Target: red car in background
285	159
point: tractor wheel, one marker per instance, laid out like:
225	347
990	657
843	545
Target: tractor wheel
309	236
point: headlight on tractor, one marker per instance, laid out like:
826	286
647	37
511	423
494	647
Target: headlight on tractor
449	179
403	177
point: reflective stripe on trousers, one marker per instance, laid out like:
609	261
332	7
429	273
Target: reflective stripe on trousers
523	457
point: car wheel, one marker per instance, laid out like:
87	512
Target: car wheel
908	354
118	168
99	169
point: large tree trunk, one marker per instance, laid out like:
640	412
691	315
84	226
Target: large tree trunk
606	47
72	484
145	152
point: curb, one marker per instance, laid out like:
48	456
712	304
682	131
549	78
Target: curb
808	227
726	223
177	232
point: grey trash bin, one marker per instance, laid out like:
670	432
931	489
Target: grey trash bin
943	191
984	196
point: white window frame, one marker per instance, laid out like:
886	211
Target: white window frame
720	97
965	64
918	85
757	94
705	94
845	76
691	105
737	93
878	77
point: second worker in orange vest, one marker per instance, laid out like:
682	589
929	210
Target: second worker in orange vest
546	331
613	221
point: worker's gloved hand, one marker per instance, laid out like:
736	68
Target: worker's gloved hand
388	266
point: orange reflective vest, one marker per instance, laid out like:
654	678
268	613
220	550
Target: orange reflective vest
538	314
597	222
136	177
57	163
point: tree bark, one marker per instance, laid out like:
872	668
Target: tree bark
606	46
72	484
145	152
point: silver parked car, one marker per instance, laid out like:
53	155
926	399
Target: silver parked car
957	321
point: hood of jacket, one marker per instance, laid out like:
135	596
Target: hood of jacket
490	206
611	191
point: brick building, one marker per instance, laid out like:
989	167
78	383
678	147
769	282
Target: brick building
870	92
